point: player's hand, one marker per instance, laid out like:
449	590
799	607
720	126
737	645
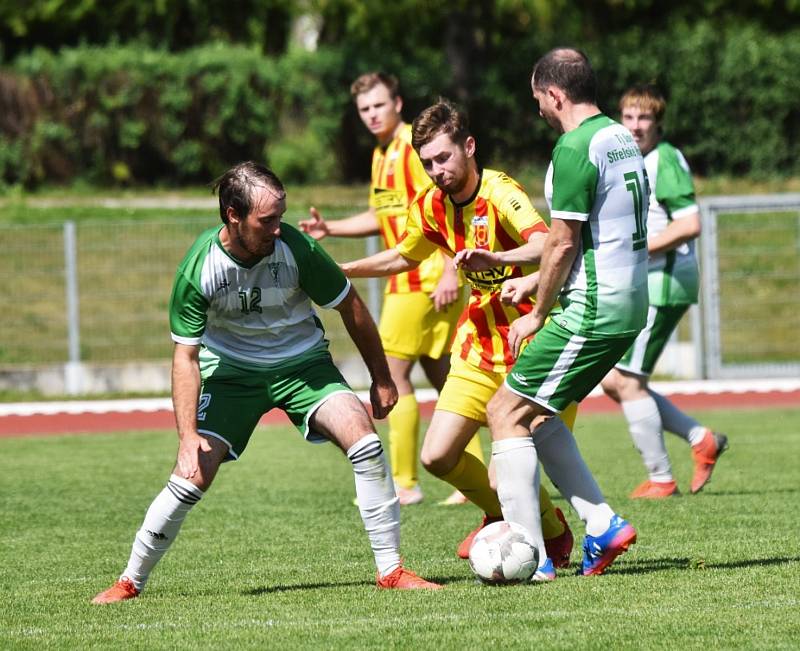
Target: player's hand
476	260
383	397
521	329
316	227
516	290
189	449
447	290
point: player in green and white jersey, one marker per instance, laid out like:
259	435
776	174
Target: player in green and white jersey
247	340
673	224
595	263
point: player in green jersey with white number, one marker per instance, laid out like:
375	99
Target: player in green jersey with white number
248	340
673	223
595	263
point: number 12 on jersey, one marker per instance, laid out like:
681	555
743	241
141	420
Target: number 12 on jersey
633	185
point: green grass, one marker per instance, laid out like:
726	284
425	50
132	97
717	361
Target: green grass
275	557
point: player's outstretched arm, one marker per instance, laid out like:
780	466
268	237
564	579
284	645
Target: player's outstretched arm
185	394
676	233
482	260
364	223
385	263
560	249
364	333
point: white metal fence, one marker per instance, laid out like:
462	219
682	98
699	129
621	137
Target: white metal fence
97	292
750	299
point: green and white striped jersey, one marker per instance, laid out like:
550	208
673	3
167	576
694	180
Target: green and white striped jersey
673	278
259	315
597	176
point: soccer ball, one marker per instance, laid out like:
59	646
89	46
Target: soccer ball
503	553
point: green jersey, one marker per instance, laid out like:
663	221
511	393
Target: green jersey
260	314
673	278
597	176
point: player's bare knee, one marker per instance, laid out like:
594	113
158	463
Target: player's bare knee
494	411
438	462
609	386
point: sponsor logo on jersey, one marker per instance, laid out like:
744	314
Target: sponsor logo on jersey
223	284
273	268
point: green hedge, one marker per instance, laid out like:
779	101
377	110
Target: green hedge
122	114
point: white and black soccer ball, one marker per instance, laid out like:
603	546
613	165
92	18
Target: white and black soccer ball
503	553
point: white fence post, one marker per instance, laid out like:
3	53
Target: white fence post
373	284
73	370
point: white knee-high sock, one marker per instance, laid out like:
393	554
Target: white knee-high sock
565	466
517	469
644	423
676	421
377	501
161	525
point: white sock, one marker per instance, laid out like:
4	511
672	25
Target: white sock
517	469
644	423
161	524
377	501
563	463
675	421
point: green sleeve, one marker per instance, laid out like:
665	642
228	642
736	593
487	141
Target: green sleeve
574	182
187	308
320	277
674	185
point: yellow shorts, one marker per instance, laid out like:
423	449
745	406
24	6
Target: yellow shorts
468	390
411	328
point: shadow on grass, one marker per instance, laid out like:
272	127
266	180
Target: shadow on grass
696	564
273	589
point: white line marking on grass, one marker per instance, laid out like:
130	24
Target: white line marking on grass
423	395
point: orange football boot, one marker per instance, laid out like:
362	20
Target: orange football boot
120	591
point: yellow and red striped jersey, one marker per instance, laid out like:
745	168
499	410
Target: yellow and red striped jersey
499	217
397	177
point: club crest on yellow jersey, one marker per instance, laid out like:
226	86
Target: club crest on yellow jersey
480	231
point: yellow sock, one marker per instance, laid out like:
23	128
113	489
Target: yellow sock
551	525
569	415
471	477
403	439
474	448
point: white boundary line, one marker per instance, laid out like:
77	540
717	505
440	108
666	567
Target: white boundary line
423	395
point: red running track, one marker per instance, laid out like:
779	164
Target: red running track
44	424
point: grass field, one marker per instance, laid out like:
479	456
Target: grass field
275	557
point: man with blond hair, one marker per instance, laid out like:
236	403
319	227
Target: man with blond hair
673	224
429	297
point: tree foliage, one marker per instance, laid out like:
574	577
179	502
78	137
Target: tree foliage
138	91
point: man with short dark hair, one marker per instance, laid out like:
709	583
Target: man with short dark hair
247	340
595	263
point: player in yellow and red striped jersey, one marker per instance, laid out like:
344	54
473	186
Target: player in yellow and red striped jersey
470	210
428	296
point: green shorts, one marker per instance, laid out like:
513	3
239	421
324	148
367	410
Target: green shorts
641	357
234	397
559	367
